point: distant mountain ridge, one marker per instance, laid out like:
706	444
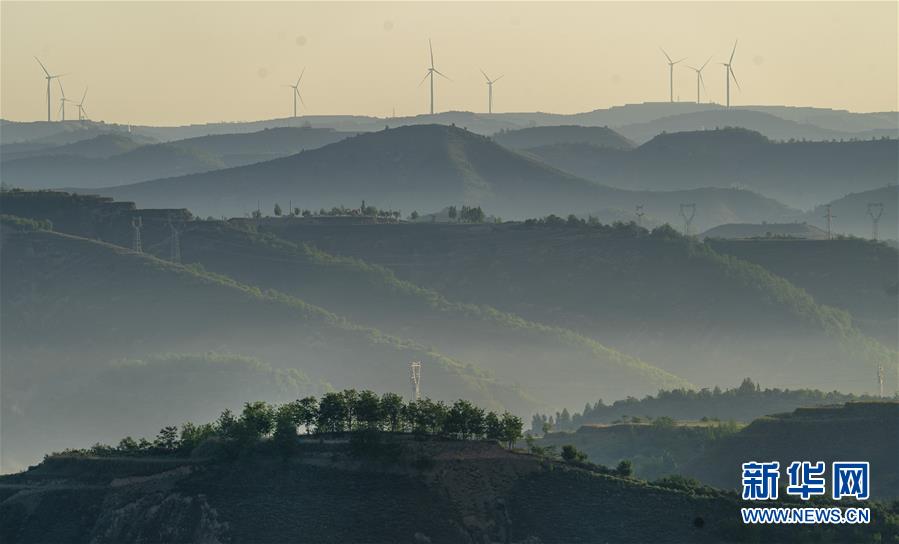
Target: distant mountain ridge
424	168
801	174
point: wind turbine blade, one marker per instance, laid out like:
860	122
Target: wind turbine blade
441	74
666	54
431	48
299	79
704	63
497	79
301	98
681	60
62	92
83	96
701	80
692	68
732	53
426	77
733	75
42	66
485	77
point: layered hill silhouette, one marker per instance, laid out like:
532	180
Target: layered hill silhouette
851	214
771	125
72	305
141	163
525	138
661	297
801	174
427	168
99	147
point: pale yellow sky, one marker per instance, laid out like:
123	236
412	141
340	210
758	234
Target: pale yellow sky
175	63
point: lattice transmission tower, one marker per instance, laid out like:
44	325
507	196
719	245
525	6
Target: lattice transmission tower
415	379
688	217
875	210
136	224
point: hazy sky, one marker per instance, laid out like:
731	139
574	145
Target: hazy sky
167	63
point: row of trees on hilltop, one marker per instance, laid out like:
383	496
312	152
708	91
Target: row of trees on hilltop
743	403
336	412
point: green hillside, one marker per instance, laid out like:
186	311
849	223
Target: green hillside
423	168
239	149
855	275
850	213
99	147
71	305
438	491
863	431
525	352
661	297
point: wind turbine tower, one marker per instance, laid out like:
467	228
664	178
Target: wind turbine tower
729	73
430	74
875	210
62	101
80	106
49	77
688	217
296	93
415	379
490	91
699	79
671	64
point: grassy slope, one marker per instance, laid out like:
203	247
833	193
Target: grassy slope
556	364
670	301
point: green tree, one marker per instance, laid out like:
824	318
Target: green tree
167	439
391	406
493	427
332	413
278	210
192	435
625	468
512	428
367	410
452	212
414	215
308	407
572	454
256	420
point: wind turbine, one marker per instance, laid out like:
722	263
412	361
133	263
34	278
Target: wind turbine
729	72
49	77
490	91
296	92
431	71
80	106
62	101
699	78
671	64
